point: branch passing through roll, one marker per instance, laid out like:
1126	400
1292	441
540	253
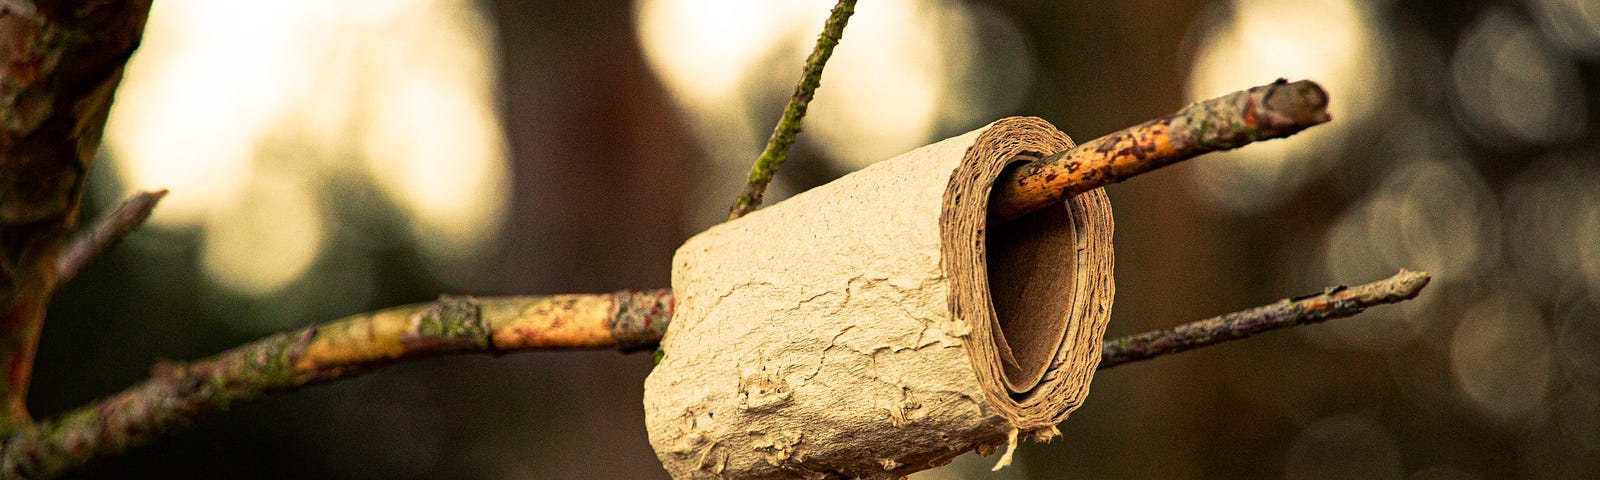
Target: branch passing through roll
874	327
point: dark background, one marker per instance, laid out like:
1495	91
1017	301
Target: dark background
1464	149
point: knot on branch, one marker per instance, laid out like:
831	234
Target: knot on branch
640	319
1274	110
449	323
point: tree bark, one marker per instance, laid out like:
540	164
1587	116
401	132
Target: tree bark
60	63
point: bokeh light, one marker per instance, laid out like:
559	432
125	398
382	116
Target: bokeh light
909	71
264	235
1344	446
1578	339
247	111
883	100
708	53
1433	215
704	50
333	157
1553	220
1501	353
1331	41
1573	24
1512	86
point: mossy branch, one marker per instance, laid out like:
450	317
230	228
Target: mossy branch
179	394
788	127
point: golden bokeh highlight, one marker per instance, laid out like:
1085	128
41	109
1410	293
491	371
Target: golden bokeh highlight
905	70
1330	41
249	112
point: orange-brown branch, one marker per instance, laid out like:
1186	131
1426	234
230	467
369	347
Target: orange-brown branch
1270	111
179	394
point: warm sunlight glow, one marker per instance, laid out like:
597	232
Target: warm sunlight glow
882	96
245	110
704	49
450	199
1324	40
907	71
433	141
263	236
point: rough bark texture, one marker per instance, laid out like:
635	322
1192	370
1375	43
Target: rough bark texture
1335	302
634	320
178	394
1269	111
60	62
848	331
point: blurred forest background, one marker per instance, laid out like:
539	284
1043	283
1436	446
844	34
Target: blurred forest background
332	157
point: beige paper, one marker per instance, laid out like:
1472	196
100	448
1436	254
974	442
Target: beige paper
853	330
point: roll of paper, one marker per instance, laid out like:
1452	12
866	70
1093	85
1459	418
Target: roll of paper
874	326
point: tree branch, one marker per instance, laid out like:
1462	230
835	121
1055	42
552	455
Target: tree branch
60	63
178	395
1335	302
788	127
107	232
1275	110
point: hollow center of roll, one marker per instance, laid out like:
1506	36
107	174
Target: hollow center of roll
1031	266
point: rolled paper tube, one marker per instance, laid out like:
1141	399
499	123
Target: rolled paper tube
872	327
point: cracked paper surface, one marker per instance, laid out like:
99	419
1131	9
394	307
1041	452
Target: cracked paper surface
815	338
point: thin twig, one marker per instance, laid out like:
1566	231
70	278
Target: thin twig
1275	110
783	134
108	230
1335	302
178	395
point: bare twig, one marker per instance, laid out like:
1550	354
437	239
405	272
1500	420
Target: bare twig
179	394
108	230
1335	302
1269	111
784	133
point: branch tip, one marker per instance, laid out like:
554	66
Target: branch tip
1275	110
107	231
1334	302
